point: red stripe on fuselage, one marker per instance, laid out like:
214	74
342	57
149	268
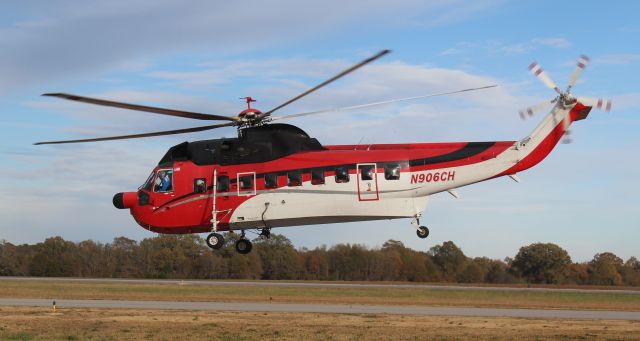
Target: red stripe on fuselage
545	147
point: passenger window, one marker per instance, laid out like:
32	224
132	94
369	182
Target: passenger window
199	185
342	174
294	178
246	182
317	176
366	172
271	180
164	181
392	171
223	184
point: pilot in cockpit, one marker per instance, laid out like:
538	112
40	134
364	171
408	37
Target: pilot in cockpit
164	181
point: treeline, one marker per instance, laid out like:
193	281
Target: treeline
187	256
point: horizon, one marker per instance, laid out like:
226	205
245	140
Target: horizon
322	246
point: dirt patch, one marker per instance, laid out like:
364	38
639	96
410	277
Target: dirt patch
130	324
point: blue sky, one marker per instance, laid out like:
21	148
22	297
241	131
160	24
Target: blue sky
204	55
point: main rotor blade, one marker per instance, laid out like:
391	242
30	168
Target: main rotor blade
544	77
378	103
155	110
582	63
602	104
135	136
340	75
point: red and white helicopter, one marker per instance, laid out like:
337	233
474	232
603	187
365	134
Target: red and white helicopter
275	175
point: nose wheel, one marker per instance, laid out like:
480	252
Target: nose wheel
215	241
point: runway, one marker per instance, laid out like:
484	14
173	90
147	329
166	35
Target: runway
315	284
327	308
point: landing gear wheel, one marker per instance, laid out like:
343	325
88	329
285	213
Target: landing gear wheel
422	232
215	241
243	246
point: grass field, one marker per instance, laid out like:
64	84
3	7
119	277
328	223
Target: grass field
135	324
129	324
605	300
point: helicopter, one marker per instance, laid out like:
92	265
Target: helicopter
275	175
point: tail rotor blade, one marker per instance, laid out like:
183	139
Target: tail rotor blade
544	77
582	63
530	111
599	103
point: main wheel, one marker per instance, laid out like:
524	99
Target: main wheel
422	232
215	240
243	246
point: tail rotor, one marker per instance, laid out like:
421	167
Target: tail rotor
564	99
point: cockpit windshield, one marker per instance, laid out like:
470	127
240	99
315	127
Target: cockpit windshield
147	184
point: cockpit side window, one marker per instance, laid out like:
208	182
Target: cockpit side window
164	181
149	183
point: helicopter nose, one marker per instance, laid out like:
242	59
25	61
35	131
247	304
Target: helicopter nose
124	200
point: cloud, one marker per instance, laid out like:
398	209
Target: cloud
66	41
626	101
494	46
618	59
220	72
557	42
448	12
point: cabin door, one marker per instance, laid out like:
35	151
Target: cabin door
367	182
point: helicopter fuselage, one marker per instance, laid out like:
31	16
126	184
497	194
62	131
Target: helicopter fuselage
276	175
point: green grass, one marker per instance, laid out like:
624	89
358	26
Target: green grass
282	294
20	336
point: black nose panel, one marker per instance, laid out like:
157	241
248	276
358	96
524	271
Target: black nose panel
118	200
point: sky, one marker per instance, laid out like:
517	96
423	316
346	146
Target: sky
204	55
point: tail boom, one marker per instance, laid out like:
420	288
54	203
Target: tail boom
533	153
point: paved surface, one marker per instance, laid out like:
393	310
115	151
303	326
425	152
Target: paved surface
328	308
310	284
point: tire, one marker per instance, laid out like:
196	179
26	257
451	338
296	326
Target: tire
422	232
215	241
243	246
